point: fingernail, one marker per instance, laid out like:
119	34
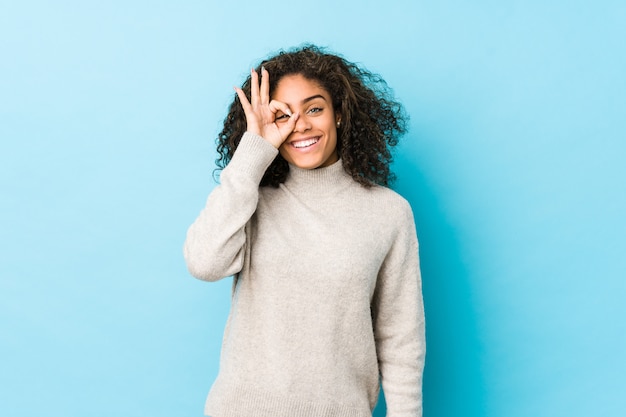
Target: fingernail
262	68
288	112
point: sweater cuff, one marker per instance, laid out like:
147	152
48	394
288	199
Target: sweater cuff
252	157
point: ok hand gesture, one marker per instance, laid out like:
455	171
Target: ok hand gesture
261	112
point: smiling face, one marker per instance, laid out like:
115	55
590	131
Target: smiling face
313	143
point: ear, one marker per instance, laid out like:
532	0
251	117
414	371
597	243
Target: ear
337	119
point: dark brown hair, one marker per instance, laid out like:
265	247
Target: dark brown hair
371	120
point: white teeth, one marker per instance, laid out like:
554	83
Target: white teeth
304	143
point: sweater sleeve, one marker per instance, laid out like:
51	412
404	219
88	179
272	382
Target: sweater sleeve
215	243
399	327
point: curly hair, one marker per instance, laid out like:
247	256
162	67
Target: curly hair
371	120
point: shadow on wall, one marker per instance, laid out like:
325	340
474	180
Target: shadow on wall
453	383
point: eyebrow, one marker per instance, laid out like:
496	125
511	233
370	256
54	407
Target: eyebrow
306	100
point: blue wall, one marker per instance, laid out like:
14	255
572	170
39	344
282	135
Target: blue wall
514	166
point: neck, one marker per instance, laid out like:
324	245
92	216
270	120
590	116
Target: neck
317	181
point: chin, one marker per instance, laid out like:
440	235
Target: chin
310	161
305	164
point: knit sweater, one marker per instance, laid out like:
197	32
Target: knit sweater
326	298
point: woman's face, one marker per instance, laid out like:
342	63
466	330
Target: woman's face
313	143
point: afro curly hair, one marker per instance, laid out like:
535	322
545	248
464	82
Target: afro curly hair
371	120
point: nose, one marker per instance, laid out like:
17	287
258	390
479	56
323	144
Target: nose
302	124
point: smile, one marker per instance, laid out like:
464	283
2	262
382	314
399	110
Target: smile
305	143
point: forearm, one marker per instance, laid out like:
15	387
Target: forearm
215	242
399	325
401	370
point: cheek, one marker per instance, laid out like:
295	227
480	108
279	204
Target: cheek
284	153
334	132
331	126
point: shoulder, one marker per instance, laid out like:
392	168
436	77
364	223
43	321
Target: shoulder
383	207
388	200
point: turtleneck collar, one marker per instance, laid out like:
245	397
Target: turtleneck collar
319	180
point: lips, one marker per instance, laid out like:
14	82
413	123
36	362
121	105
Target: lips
304	143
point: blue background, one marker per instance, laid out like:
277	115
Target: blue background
514	165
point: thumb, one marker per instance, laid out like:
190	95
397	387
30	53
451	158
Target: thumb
287	128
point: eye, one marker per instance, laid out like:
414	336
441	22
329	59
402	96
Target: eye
315	110
282	117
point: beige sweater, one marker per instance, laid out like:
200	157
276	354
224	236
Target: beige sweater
326	296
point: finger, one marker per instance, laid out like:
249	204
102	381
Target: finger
276	105
243	99
265	86
287	128
254	88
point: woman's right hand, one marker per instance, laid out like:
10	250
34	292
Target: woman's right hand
261	111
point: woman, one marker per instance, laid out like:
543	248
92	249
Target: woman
326	298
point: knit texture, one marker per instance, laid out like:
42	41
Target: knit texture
326	296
